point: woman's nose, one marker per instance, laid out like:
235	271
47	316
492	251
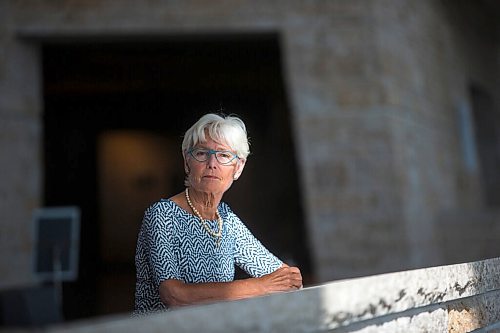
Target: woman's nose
212	161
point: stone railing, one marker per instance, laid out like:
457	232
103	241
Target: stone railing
454	298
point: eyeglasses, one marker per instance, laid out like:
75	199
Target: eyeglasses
222	156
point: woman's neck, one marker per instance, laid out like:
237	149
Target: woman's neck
206	203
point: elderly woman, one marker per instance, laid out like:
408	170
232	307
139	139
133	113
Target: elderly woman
188	244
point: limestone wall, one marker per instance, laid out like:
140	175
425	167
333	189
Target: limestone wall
20	143
373	87
455	298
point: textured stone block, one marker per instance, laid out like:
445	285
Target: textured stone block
437	299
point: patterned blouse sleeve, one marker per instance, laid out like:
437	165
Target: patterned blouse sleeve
250	254
160	239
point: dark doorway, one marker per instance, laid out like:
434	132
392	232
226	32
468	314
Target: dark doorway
100	95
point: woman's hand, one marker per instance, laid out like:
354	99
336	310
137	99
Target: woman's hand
284	279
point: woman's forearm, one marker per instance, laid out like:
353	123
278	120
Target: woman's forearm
177	293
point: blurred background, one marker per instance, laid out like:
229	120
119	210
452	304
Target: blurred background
374	128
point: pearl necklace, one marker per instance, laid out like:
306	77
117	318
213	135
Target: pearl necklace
217	235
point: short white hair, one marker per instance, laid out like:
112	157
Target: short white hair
229	130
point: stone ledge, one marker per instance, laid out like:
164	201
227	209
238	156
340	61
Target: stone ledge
411	301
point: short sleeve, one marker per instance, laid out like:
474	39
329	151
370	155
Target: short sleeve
159	235
250	254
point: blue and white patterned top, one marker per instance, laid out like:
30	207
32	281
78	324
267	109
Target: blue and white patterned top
172	244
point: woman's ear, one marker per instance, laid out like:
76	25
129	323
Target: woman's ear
239	168
187	170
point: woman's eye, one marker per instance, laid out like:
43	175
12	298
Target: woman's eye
200	153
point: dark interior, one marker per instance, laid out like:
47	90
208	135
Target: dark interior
163	86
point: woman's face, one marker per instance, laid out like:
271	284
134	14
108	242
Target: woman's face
211	176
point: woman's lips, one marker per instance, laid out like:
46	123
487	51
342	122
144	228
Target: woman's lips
211	177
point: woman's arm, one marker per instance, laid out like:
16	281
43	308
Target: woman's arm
177	293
